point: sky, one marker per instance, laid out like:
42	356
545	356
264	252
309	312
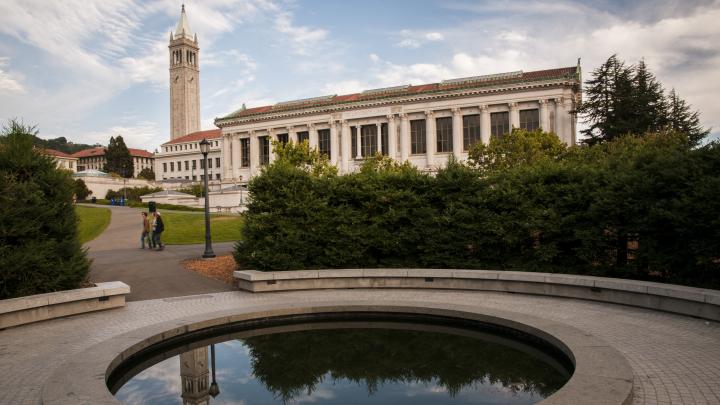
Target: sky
91	69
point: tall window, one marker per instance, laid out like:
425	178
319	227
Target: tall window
353	141
368	142
172	166
303	136
264	150
187	165
471	131
444	134
202	163
245	152
217	162
179	166
384	137
499	124
417	137
530	119
164	167
194	164
324	141
282	138
217	176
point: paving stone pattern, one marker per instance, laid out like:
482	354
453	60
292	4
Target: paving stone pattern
675	359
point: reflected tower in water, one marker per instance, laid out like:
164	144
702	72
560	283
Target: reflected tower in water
194	374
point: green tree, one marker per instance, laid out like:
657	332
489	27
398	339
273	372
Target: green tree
81	189
520	147
649	109
39	247
681	119
147	174
118	158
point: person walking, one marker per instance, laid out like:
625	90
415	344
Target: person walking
145	232
158	227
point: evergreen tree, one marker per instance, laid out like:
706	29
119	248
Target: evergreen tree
39	247
681	119
649	109
118	158
147	174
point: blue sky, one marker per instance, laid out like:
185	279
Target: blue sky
90	69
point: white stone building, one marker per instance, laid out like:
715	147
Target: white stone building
94	159
423	124
181	160
63	160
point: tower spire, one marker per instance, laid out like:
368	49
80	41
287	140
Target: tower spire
182	30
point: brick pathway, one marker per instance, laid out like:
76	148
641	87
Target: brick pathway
676	359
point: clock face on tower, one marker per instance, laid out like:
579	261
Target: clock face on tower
177	78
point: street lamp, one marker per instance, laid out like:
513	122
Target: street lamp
204	149
214	389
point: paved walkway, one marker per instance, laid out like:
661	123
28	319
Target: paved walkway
675	359
150	274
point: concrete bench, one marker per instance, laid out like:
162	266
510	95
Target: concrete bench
698	302
34	308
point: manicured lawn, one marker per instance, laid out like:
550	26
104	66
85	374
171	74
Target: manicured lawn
93	222
183	228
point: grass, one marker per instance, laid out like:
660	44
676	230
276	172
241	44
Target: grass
93	222
183	228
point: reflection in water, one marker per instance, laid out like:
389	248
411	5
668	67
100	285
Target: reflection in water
356	365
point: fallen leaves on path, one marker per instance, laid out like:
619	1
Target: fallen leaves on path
219	268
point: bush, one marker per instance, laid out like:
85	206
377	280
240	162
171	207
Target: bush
81	189
638	207
39	247
147	174
133	193
195	189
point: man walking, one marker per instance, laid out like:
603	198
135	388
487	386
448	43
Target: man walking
158	227
145	232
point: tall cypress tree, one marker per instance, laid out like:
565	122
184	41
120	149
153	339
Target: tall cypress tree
681	119
118	158
649	109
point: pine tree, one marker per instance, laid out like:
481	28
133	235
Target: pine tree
649	109
118	158
681	119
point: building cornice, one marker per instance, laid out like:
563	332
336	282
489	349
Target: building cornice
439	94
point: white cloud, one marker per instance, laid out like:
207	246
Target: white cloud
374	58
304	39
141	135
415	39
434	36
9	82
344	87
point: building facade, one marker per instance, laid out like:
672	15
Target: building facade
424	125
181	160
94	159
63	160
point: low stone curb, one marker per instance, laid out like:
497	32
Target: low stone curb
34	308
602	375
697	302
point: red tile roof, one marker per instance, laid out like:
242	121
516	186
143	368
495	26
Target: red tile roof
57	153
469	83
100	151
198	136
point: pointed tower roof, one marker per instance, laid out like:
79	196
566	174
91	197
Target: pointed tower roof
183	28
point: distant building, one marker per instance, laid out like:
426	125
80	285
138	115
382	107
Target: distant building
94	159
63	160
180	159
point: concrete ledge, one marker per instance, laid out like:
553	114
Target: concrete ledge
697	302
602	375
34	308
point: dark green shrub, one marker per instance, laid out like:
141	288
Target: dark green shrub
132	193
39	248
81	189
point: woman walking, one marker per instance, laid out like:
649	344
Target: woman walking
158	227
145	232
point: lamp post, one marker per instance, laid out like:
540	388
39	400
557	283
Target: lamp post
214	389
205	148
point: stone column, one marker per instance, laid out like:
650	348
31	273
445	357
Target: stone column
514	116
346	138
254	153
313	136
235	142
543	113
430	138
404	137
392	136
226	167
358	141
292	135
271	138
457	132
559	118
484	124
379	138
334	144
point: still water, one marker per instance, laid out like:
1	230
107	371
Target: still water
352	363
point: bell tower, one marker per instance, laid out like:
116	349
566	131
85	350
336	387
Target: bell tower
184	80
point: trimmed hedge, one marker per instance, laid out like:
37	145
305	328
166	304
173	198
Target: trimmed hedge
39	247
643	208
